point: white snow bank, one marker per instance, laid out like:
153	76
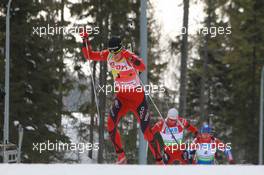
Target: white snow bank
74	169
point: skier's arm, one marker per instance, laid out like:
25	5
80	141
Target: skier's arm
137	62
89	53
190	127
95	55
157	127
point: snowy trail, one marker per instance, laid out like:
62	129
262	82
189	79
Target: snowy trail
70	169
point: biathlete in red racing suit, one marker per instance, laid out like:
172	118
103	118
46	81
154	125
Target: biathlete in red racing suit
205	147
173	150
130	95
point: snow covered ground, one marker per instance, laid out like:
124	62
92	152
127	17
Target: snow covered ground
67	169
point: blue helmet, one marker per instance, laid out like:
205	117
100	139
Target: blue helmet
206	129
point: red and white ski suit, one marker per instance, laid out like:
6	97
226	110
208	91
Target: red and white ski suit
206	147
125	76
174	150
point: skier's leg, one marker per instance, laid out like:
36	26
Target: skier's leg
118	109
183	158
143	116
153	144
171	158
175	157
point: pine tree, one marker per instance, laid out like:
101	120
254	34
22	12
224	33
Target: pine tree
38	77
233	73
184	59
245	59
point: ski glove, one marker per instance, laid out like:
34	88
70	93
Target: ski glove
84	35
